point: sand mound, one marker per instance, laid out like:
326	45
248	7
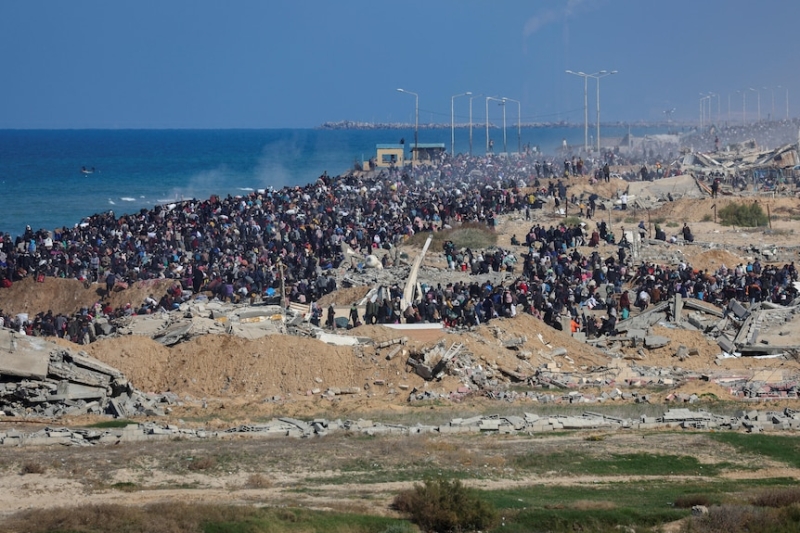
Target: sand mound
226	366
143	360
68	296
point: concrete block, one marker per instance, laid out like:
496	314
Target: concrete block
737	309
656	341
636	333
24	364
515	421
489	424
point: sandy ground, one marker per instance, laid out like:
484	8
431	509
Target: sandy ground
244	380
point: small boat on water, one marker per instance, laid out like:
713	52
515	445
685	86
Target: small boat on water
85	170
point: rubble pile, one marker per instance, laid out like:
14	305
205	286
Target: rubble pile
753	421
41	379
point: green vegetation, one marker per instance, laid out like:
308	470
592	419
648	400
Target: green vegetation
602	507
776	447
445	506
744	215
707	218
126	486
571	221
741	519
471	235
184	517
644	464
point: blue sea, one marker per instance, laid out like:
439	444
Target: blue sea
43	186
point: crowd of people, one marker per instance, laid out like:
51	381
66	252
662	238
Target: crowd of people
252	246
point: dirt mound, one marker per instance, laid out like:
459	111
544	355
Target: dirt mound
68	296
222	366
143	360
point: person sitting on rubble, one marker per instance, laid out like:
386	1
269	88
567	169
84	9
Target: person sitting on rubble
514	240
609	326
595	239
661	235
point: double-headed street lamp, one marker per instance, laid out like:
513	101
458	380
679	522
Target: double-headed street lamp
453	121
470	121
703	99
758	101
597	76
519	122
585	108
744	105
487	119
416	121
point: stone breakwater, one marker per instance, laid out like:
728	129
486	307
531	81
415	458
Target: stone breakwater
753	421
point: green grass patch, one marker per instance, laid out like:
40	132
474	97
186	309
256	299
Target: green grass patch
776	447
178	517
414	472
641	464
126	486
603	506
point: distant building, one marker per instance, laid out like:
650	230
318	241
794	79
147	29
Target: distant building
390	155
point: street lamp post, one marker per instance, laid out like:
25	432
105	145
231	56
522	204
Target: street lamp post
505	144
470	122
585	108
453	121
416	122
711	97
787	102
597	76
758	100
487	120
772	94
729	107
519	123
702	109
744	106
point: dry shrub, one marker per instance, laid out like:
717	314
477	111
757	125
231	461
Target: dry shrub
592	505
258	481
493	461
777	497
745	519
445	506
690	500
436	445
156	518
202	463
33	468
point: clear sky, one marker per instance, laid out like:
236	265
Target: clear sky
299	63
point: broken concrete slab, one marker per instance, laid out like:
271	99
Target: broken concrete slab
656	341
